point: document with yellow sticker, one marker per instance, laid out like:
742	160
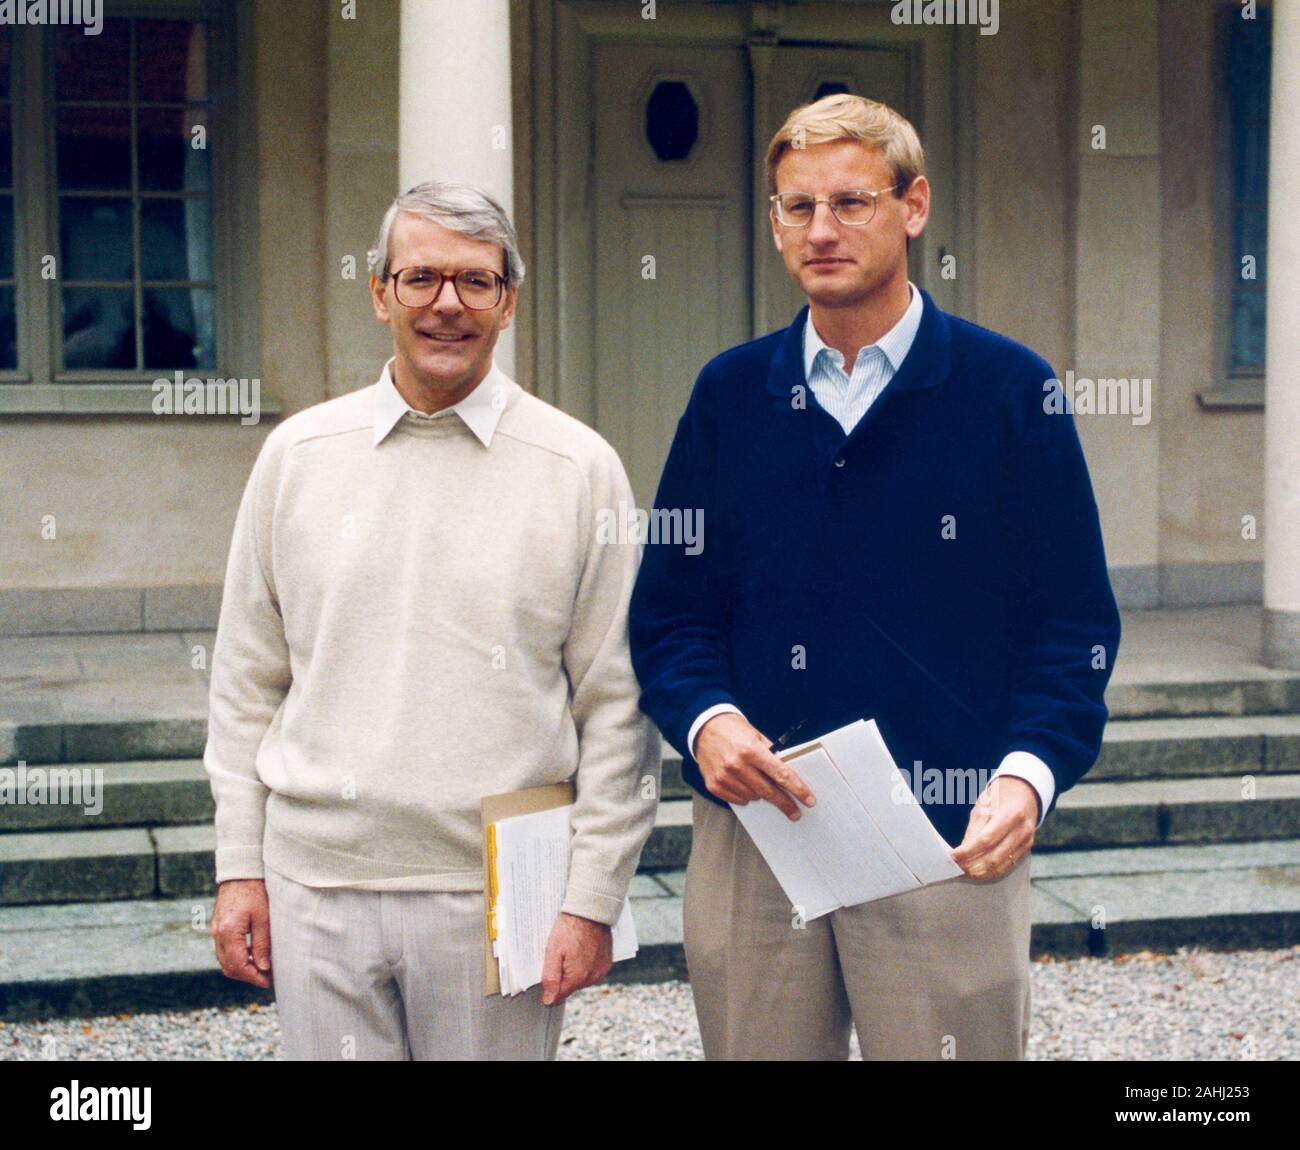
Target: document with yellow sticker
526	839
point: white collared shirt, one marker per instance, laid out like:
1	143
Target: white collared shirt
847	399
481	409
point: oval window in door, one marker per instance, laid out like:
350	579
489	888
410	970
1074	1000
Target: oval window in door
672	120
829	88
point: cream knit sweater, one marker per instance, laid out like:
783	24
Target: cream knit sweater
411	625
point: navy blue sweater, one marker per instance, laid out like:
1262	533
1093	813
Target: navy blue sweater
940	569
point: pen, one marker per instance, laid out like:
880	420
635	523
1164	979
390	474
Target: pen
785	739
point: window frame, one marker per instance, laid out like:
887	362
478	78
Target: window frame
1235	388
38	386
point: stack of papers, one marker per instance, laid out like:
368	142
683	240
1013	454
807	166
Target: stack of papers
860	842
531	868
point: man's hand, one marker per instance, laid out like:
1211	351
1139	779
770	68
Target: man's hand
1001	830
738	767
579	953
242	909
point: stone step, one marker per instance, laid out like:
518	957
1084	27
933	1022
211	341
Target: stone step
1222	895
1099	815
1168	812
1252	691
140	793
1183	748
39	732
46	721
1157	748
153	954
56	866
171	792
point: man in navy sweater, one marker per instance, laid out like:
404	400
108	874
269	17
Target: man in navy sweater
913	540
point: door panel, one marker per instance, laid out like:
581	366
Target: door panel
671	223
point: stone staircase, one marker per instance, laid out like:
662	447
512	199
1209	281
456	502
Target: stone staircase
1186	832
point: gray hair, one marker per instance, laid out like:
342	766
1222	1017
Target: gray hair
461	207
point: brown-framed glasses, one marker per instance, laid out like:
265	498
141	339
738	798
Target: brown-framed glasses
853	206
479	289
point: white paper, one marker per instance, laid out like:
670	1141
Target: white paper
859	842
860	752
532	853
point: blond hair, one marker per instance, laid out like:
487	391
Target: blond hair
842	116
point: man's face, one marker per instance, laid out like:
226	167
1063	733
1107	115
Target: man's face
443	345
835	264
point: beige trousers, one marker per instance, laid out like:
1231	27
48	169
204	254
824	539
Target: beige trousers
937	973
394	976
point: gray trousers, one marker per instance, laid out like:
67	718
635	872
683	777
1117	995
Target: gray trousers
937	973
394	976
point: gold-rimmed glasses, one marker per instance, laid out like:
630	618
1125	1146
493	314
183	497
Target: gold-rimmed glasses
853	206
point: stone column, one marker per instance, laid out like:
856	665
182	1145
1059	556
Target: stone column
454	111
1282	353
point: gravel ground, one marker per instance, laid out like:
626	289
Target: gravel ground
1191	1005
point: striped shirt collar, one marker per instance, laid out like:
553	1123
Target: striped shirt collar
895	343
480	410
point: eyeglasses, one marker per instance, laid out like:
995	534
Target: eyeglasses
479	289
854	206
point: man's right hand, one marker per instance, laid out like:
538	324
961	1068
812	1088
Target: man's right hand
738	767
242	909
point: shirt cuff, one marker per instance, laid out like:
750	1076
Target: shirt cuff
1035	772
704	717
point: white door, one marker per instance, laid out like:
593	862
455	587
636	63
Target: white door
649	141
671	220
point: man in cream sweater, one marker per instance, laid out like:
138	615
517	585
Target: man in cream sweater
420	610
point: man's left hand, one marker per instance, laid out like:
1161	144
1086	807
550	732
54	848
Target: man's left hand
579	953
1001	830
